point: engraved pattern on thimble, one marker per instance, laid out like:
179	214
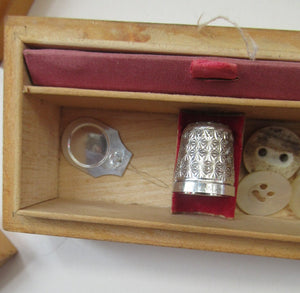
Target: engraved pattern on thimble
205	160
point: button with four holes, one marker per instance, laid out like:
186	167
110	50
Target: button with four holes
263	193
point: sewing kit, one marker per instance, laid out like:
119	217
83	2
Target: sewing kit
153	133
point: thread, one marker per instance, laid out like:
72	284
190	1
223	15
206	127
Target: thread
251	45
148	177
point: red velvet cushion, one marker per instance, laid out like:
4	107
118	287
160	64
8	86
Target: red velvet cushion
160	74
221	206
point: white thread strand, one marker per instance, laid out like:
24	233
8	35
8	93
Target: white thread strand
251	46
148	177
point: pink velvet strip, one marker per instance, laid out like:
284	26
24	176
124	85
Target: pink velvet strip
160	74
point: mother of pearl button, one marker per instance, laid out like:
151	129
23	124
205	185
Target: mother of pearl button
263	193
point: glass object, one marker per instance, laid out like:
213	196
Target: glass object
94	148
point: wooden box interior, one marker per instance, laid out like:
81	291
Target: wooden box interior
51	188
53	197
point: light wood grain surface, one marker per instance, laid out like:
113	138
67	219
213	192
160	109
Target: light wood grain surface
11	7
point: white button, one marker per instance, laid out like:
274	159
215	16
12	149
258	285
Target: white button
295	200
263	193
274	149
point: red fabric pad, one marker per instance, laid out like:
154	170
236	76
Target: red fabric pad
221	206
202	68
160	74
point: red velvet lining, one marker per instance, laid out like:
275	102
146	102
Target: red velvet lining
160	74
221	206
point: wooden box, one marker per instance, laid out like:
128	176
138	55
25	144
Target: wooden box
7	250
44	194
11	7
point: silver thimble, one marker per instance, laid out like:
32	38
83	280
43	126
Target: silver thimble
205	162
